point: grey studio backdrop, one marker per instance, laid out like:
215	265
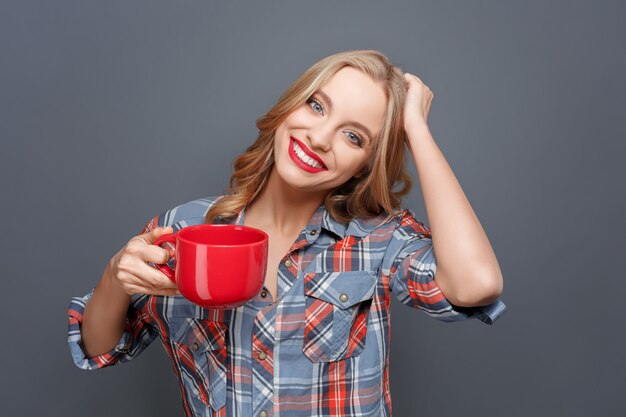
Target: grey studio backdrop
112	112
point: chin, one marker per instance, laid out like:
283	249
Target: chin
294	180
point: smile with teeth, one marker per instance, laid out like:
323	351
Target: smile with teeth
305	158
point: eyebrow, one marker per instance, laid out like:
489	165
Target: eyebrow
357	124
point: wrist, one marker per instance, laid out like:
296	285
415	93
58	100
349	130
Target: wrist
112	285
418	132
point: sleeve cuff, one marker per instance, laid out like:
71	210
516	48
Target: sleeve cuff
75	318
413	281
487	314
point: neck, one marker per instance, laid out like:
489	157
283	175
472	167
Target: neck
282	208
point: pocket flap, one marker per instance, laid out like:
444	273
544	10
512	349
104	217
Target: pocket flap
202	335
343	289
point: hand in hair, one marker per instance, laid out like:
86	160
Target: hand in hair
417	104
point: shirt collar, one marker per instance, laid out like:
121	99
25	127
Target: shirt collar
358	227
319	219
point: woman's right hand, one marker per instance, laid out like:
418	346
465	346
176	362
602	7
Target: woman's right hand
130	270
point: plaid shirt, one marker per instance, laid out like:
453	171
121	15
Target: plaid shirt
322	349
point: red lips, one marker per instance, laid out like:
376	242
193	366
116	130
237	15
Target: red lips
308	152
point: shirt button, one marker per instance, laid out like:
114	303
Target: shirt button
288	263
262	355
343	298
263	413
313	232
195	347
263	294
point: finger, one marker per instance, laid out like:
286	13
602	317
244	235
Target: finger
147	288
156	254
412	77
136	289
151	236
143	275
152	277
418	81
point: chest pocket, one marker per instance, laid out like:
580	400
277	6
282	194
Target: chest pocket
337	308
201	357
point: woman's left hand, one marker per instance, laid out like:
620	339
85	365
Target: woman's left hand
417	105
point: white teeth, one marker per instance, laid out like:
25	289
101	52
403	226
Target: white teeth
305	158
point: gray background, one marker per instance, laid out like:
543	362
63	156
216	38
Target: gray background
112	112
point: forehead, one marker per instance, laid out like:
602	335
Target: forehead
357	97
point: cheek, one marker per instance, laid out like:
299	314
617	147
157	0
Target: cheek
352	161
281	140
297	116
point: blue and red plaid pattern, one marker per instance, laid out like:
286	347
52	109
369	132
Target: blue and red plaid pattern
320	349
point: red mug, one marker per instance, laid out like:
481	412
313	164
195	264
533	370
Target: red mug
218	266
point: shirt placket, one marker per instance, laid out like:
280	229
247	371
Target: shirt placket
290	265
263	332
263	362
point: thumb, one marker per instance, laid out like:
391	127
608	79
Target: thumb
157	232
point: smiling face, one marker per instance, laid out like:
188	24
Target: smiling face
330	138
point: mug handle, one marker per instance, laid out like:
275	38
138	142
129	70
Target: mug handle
165	268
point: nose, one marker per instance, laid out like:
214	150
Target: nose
320	137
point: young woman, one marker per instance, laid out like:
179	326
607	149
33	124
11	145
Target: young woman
324	179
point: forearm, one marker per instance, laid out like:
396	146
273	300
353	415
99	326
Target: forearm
104	317
467	269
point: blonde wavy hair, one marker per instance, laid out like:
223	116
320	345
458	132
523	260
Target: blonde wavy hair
367	195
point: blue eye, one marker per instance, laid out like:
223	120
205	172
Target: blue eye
357	140
311	100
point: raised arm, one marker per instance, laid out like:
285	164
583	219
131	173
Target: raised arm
468	273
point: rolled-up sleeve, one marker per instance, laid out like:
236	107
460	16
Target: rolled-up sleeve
412	276
138	334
